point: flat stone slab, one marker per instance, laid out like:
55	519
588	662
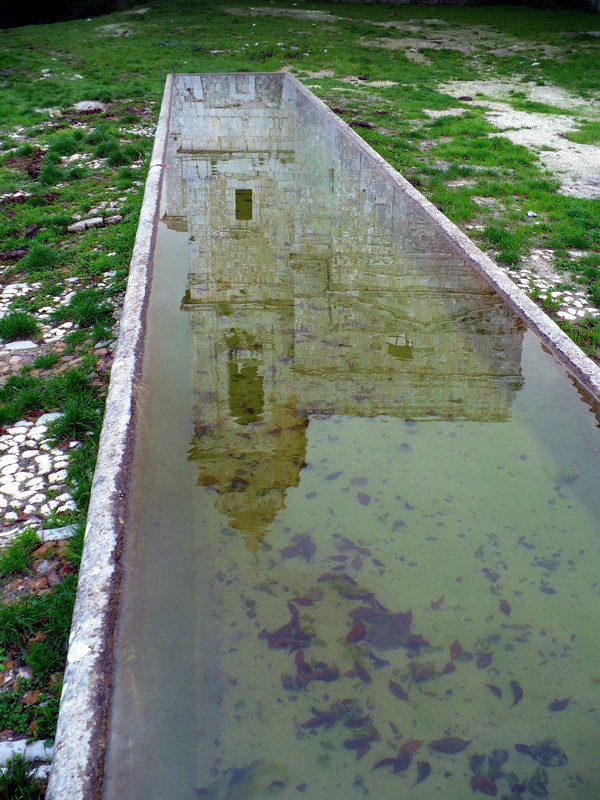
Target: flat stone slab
89	106
21	345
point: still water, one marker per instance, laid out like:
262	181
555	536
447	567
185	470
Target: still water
363	533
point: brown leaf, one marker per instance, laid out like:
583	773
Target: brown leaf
456	650
31	698
397	690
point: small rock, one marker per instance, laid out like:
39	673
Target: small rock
56	534
53	579
113	220
45	419
84	224
22	345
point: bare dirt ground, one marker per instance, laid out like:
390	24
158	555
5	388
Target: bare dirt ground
577	166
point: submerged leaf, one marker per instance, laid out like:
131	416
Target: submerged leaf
495	689
450	745
423	771
479	783
517	692
505	608
397	690
559	705
456	650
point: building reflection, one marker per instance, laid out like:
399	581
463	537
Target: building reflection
315	287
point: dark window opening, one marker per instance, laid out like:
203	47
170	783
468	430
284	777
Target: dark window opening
243	204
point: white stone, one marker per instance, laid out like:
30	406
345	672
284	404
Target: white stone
10	489
23	476
3	501
20	345
29	453
37	498
57	477
45	419
29	510
10	469
16	429
11	516
9	459
56	534
20	438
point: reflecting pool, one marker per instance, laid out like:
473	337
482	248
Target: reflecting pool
363	532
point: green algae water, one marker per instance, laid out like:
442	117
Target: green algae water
363	528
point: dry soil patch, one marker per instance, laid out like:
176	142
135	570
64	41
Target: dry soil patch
577	166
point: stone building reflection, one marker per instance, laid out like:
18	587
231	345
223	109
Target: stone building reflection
314	288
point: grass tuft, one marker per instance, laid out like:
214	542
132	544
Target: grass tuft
40	258
18	782
18	325
16	556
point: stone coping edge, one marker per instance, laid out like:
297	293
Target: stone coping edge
77	767
80	742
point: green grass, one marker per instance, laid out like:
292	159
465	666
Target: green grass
46	361
18	325
18	782
587	133
16	556
40	258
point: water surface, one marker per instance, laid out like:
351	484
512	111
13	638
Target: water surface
364	511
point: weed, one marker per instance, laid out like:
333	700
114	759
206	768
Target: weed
101	333
46	361
549	303
65	144
87	309
16	556
51	174
13	715
586	334
18	782
20	394
16	621
74	338
43	658
18	325
75	545
40	258
79	417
